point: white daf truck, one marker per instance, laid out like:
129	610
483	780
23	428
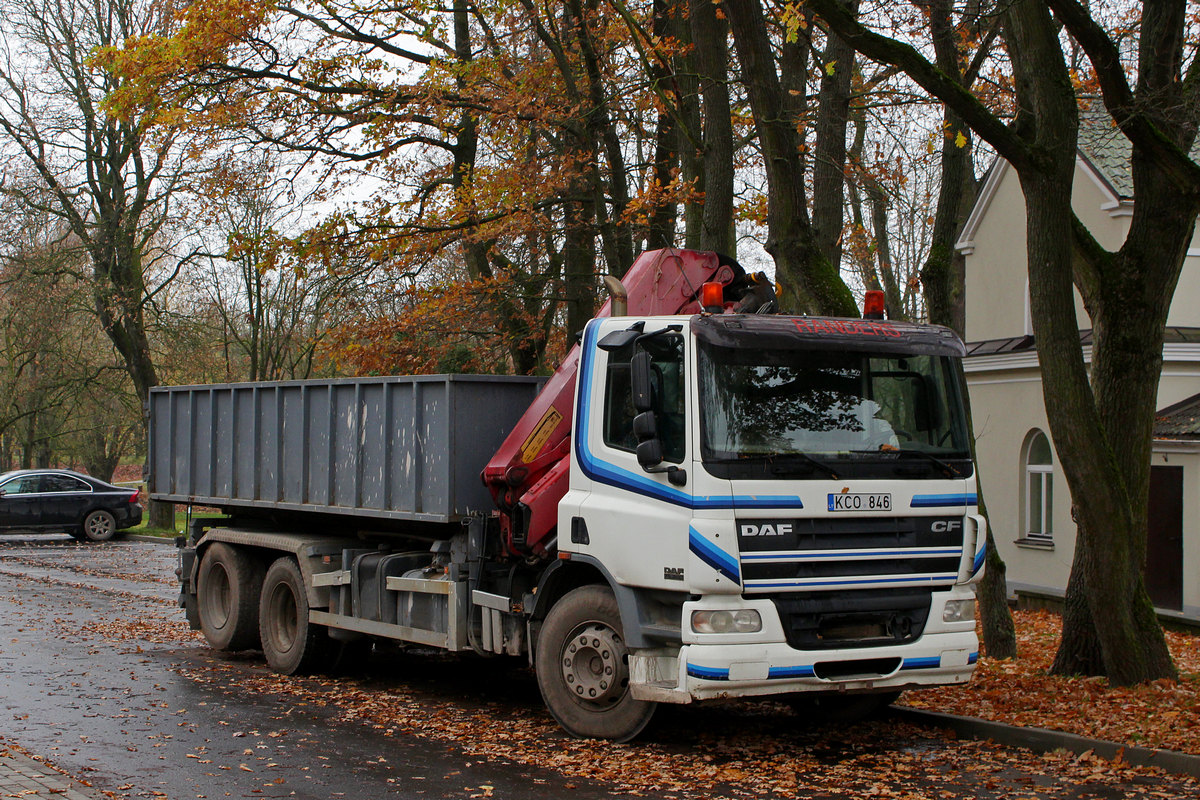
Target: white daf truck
705	504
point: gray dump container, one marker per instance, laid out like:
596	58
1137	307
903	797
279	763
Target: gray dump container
397	448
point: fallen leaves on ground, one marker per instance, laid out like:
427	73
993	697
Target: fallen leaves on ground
1162	714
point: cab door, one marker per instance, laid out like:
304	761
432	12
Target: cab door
636	521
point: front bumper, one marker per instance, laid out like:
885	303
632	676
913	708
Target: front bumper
703	671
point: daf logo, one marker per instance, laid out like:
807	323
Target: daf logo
946	526
767	529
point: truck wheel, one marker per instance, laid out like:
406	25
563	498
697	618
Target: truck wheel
227	590
291	643
583	668
99	526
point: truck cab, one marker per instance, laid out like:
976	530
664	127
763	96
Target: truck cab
780	505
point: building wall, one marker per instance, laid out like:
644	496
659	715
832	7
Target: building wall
996	277
1006	404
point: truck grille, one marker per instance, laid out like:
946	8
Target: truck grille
823	621
824	555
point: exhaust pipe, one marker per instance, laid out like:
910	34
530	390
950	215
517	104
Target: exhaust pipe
620	297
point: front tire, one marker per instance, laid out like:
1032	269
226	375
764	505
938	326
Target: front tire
227	591
99	526
292	644
582	667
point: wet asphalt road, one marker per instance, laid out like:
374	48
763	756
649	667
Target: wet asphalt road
119	714
95	678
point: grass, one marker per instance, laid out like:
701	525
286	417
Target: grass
179	528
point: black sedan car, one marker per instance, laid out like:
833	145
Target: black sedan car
61	500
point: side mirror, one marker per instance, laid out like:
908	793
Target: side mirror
645	426
640	382
649	453
650	449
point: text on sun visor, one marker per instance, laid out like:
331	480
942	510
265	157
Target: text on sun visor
846	327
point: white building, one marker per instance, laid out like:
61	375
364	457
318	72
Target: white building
1028	502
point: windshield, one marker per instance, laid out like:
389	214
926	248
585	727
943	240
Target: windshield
834	406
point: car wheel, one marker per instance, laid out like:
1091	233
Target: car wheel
227	591
292	644
582	668
99	526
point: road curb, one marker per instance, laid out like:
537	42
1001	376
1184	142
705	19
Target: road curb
142	537
1042	740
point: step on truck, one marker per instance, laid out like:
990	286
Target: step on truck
705	500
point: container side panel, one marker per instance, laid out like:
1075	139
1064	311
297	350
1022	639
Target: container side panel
346	446
292	441
181	453
201	440
245	444
373	461
318	447
432	443
268	445
161	437
484	416
392	448
223	443
404	472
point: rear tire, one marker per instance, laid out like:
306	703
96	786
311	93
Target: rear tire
227	591
99	526
583	668
292	644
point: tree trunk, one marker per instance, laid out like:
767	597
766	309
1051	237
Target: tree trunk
829	164
660	232
615	232
710	38
810	283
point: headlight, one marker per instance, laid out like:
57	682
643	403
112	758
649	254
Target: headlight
745	620
958	611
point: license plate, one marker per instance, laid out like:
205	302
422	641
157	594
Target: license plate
860	501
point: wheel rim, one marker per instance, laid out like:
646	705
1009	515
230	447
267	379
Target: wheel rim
99	526
593	665
283	617
217	596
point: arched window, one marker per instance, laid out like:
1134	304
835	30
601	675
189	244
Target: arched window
1039	488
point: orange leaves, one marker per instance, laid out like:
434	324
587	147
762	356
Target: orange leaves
442	326
1019	692
152	67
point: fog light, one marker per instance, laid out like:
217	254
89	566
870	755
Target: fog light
745	620
958	611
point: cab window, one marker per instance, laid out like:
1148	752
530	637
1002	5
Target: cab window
668	397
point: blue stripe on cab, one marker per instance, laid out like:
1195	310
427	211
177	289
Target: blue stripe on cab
714	556
921	663
707	673
944	500
779	673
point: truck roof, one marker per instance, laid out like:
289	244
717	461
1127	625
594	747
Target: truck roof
827	333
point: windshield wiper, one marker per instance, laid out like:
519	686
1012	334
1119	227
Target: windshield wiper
946	467
773	460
